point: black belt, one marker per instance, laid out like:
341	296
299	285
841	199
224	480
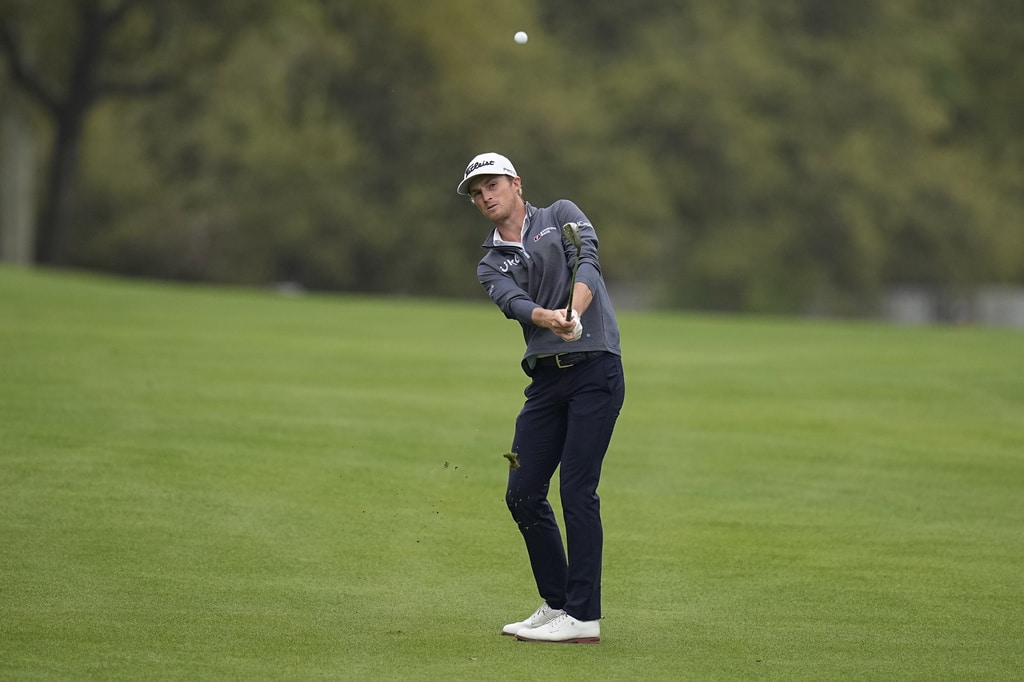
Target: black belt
566	360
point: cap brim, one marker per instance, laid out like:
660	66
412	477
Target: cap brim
463	187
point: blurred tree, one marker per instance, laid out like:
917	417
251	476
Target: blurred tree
796	142
67	55
325	150
980	86
783	157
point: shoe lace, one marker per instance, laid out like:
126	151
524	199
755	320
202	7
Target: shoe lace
557	621
541	612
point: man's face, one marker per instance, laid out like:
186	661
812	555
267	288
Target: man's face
495	195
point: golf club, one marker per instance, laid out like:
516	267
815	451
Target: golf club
572	233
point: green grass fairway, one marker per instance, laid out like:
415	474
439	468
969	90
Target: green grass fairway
212	484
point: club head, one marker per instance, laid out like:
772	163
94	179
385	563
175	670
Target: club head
572	233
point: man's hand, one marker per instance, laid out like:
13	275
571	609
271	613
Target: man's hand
555	320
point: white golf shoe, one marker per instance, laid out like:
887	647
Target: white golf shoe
542	615
564	628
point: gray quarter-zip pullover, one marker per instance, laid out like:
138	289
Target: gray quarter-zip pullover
537	273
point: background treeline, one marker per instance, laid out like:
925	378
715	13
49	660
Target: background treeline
784	156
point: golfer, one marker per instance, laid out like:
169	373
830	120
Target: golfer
573	400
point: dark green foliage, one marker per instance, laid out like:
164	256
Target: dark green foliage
751	156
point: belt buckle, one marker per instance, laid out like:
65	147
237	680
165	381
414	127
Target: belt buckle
558	361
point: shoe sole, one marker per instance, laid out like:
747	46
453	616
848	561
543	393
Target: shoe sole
576	640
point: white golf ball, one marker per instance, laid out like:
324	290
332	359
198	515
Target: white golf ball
521	37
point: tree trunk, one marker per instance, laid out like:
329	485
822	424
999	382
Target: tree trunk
57	222
17	183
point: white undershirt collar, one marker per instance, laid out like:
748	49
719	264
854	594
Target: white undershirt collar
498	241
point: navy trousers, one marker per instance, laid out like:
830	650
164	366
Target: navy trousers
567	421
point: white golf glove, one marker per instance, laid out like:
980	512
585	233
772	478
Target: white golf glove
577	332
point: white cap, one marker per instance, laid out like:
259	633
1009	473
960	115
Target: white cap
487	163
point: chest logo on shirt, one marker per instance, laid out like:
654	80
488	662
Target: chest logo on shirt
510	263
543	232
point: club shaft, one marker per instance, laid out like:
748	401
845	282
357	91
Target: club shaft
572	287
572	233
